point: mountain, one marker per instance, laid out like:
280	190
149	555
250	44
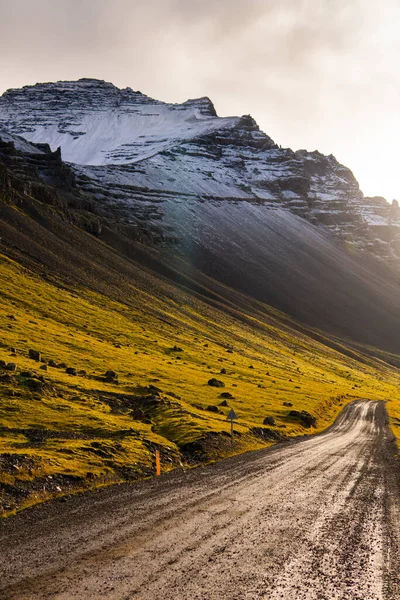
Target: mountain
188	261
187	149
216	196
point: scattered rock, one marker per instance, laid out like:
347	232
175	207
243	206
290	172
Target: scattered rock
306	419
13	351
52	363
223	371
269	421
176	349
287	404
2	363
216	383
251	367
71	371
62	366
110	376
223	403
11	366
11	317
266	434
35	355
35	385
230	351
26	374
212	408
6	378
44	367
227	395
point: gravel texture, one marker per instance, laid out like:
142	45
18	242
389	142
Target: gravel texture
315	519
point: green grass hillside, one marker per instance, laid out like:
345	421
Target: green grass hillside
63	432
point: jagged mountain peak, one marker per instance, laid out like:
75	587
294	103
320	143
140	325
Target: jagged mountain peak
203	104
96	123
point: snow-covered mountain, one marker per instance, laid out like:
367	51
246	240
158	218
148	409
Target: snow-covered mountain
96	123
136	154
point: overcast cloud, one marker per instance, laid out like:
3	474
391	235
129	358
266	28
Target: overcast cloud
315	74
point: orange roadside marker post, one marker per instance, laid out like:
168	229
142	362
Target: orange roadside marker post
158	463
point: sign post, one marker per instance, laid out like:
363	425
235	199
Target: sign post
232	416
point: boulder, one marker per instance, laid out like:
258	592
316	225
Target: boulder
269	421
35	385
71	371
266	434
35	355
212	408
26	373
110	375
305	418
11	366
216	383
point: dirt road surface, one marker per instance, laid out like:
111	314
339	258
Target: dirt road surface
316	519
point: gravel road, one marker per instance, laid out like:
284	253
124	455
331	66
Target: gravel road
312	519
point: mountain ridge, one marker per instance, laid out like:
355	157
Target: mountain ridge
127	152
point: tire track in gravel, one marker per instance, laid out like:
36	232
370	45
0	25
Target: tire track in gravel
316	519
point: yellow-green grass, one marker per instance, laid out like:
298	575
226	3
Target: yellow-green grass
267	361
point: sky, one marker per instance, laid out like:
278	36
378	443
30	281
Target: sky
315	74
